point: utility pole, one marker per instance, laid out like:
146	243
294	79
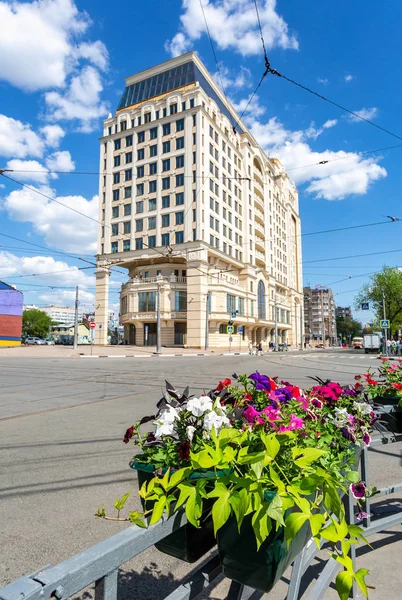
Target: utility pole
207	321
301	326
295	325
276	326
76	320
158	319
322	315
385	329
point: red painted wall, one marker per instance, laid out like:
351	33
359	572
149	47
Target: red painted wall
10	325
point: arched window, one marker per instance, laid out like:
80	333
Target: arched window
261	301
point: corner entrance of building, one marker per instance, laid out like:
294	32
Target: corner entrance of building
131	335
180	334
150	334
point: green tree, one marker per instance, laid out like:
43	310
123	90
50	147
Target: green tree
348	328
387	282
35	323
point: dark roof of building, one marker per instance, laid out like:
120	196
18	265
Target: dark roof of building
5	286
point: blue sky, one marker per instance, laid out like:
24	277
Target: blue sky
62	70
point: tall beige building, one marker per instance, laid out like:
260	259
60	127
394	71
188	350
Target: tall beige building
199	215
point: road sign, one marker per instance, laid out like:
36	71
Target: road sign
385	324
365	306
240	330
92	324
230	339
233	314
229	329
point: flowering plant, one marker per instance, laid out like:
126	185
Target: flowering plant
388	382
268	452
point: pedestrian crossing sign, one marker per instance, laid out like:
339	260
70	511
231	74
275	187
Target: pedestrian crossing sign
385	324
229	329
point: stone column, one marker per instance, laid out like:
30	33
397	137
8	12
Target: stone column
102	275
197	288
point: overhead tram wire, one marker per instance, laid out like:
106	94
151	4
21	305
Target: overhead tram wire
212	47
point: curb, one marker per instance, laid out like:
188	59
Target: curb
161	355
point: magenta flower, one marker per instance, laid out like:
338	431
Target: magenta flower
295	423
361	515
358	490
352	420
251	415
316	402
303	401
272	413
366	438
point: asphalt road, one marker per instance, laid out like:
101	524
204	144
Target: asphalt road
61	454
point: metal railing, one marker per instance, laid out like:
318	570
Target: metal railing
99	564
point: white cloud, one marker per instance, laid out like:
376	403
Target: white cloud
348	78
61	227
38	43
323	80
60	161
330	123
67	298
346	174
52	134
17	139
252	109
364	113
39	172
55	272
233	26
81	101
233	78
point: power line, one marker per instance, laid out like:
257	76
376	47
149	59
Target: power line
212	46
259	25
352	256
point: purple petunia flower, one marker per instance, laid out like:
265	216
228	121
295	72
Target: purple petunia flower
262	382
361	515
366	438
316	402
358	490
348	434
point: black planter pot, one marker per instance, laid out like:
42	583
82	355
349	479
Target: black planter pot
391	413
260	569
188	543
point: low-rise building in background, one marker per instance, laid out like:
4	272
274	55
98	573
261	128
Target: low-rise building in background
319	315
11	303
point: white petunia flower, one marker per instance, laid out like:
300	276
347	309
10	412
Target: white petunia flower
362	408
190	430
341	417
165	422
198	406
216	421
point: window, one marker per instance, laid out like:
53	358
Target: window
179	236
180	125
194	157
165	220
241	306
151	241
183	106
192	103
165	201
194	235
165	239
117	144
116	161
157	114
164	112
140	154
180	301
115	247
116	194
123	305
123	125
180	218
152	187
179	198
126	246
153	150
128	174
166	164
115	212
138	244
127	210
166	129
153	133
166	183
152	204
146	301
140	137
139	207
179	180
180	143
194	139
173	109
127	191
129	140
139	224
153	168
194	214
180	161
251	304
140	189
261	301
147	117
230	303
140	171
116	177
127	227
166	147
152	223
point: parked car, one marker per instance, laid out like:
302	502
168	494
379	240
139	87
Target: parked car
49	342
34	341
320	346
357	343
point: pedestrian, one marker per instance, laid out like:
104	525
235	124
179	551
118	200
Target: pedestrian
389	346
259	349
250	348
400	347
284	347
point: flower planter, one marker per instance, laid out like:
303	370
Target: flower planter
188	543
392	414
260	569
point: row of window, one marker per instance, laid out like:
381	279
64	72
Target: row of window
153	185
151	242
173	109
178	218
147	301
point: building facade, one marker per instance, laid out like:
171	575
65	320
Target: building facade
63	315
11	303
319	315
343	312
199	216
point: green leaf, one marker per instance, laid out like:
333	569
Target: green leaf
293	524
305	457
357	532
275	510
136	518
346	562
330	533
262	525
221	511
185	491
359	577
239	502
332	500
258	468
316	523
308	485
205	459
219	490
276	479
164	482
271	444
352	476
194	507
344	584
177	476
120	502
244	458
157	511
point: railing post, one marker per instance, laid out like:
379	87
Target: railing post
106	587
